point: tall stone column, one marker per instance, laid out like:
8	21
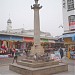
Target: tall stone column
37	48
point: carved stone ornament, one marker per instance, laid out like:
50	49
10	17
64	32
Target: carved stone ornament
36	1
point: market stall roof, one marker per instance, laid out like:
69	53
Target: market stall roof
67	35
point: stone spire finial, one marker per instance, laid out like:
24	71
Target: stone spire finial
36	1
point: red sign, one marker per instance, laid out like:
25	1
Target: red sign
72	25
28	39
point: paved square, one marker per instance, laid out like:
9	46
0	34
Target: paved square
4	67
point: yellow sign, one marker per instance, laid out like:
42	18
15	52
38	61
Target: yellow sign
67	40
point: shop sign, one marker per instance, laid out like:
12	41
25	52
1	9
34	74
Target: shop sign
72	22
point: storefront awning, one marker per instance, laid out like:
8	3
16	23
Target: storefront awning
28	40
3	37
51	41
16	38
44	40
67	35
10	38
72	36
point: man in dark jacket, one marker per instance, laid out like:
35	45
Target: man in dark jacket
61	52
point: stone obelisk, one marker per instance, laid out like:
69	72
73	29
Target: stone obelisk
37	48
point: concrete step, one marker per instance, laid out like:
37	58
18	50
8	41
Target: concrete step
27	60
47	70
37	64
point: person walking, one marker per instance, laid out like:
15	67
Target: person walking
15	56
61	52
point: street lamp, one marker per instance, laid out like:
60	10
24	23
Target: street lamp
60	26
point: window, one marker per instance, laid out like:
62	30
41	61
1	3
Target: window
70	5
64	4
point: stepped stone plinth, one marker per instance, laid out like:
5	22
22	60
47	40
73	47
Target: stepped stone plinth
32	67
38	64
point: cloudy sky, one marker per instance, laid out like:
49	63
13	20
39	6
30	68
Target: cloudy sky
22	15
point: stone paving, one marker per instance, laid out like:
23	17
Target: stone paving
4	70
71	67
4	67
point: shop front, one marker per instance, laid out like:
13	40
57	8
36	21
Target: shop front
4	44
47	45
29	42
7	42
17	40
44	42
69	41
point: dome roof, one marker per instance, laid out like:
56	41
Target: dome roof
9	21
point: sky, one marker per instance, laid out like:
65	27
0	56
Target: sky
22	16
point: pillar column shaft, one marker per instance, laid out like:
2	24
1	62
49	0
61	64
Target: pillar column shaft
36	27
37	48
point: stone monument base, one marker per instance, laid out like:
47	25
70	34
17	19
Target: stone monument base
31	67
37	49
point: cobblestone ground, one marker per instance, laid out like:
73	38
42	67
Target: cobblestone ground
4	66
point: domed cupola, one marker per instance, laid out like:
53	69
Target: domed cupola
9	26
9	21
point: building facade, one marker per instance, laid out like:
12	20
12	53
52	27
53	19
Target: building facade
68	7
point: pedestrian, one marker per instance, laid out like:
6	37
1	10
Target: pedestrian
15	56
61	52
68	54
35	57
12	52
26	51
